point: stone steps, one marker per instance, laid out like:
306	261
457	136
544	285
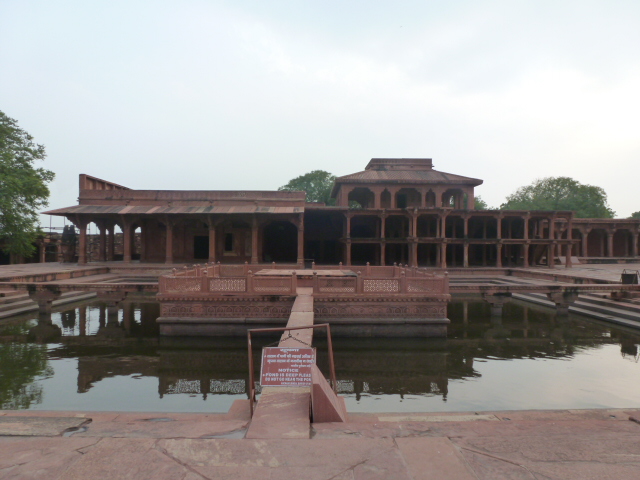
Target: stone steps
23	304
592	306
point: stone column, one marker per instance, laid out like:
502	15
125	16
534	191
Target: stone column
103	242
383	253
525	235
465	260
563	301
609	244
301	242
414	253
634	244
254	240
499	227
42	251
126	241
82	328
465	226
82	243
525	255
443	255
497	302
348	251
168	256
383	225
551	255
569	248
212	242
499	255
44	299
348	226
585	245
111	242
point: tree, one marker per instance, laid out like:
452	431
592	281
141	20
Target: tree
480	204
317	185
635	215
23	187
561	193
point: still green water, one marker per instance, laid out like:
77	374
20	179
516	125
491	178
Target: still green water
529	359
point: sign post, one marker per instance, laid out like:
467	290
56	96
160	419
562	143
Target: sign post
287	367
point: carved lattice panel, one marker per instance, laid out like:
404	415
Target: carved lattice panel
279	285
337	285
424	285
229	284
381	286
231	270
182	284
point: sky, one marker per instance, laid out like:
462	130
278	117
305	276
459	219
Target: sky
246	95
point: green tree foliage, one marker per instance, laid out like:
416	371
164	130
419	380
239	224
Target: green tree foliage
21	364
23	187
317	184
480	204
561	193
635	215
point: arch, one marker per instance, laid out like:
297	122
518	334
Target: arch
385	199
363	196
407	198
430	199
280	242
453	198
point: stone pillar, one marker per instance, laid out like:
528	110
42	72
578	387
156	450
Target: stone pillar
585	245
526	227
126	241
563	301
465	226
42	251
301	242
82	244
497	302
254	240
383	253
168	256
609	244
348	251
465	261
499	227
569	248
414	253
348	227
82	328
212	243
103	242
111	242
383	225
499	255
525	255
44	299
112	299
551	255
443	255
634	244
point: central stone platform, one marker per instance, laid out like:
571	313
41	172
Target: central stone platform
375	301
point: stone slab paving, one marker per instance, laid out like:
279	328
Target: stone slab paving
563	445
12	425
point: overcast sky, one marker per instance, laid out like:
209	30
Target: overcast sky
223	95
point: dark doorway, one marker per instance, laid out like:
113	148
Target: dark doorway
280	242
201	247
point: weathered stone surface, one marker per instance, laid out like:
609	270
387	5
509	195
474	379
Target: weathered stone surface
325	404
429	458
38	426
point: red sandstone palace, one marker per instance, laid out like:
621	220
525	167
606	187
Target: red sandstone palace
395	211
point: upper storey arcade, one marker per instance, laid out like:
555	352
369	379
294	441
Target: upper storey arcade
404	182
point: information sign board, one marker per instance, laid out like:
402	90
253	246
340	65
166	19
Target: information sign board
287	367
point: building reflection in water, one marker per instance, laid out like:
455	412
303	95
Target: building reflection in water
125	343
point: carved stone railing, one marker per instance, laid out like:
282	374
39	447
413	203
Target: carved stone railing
240	280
